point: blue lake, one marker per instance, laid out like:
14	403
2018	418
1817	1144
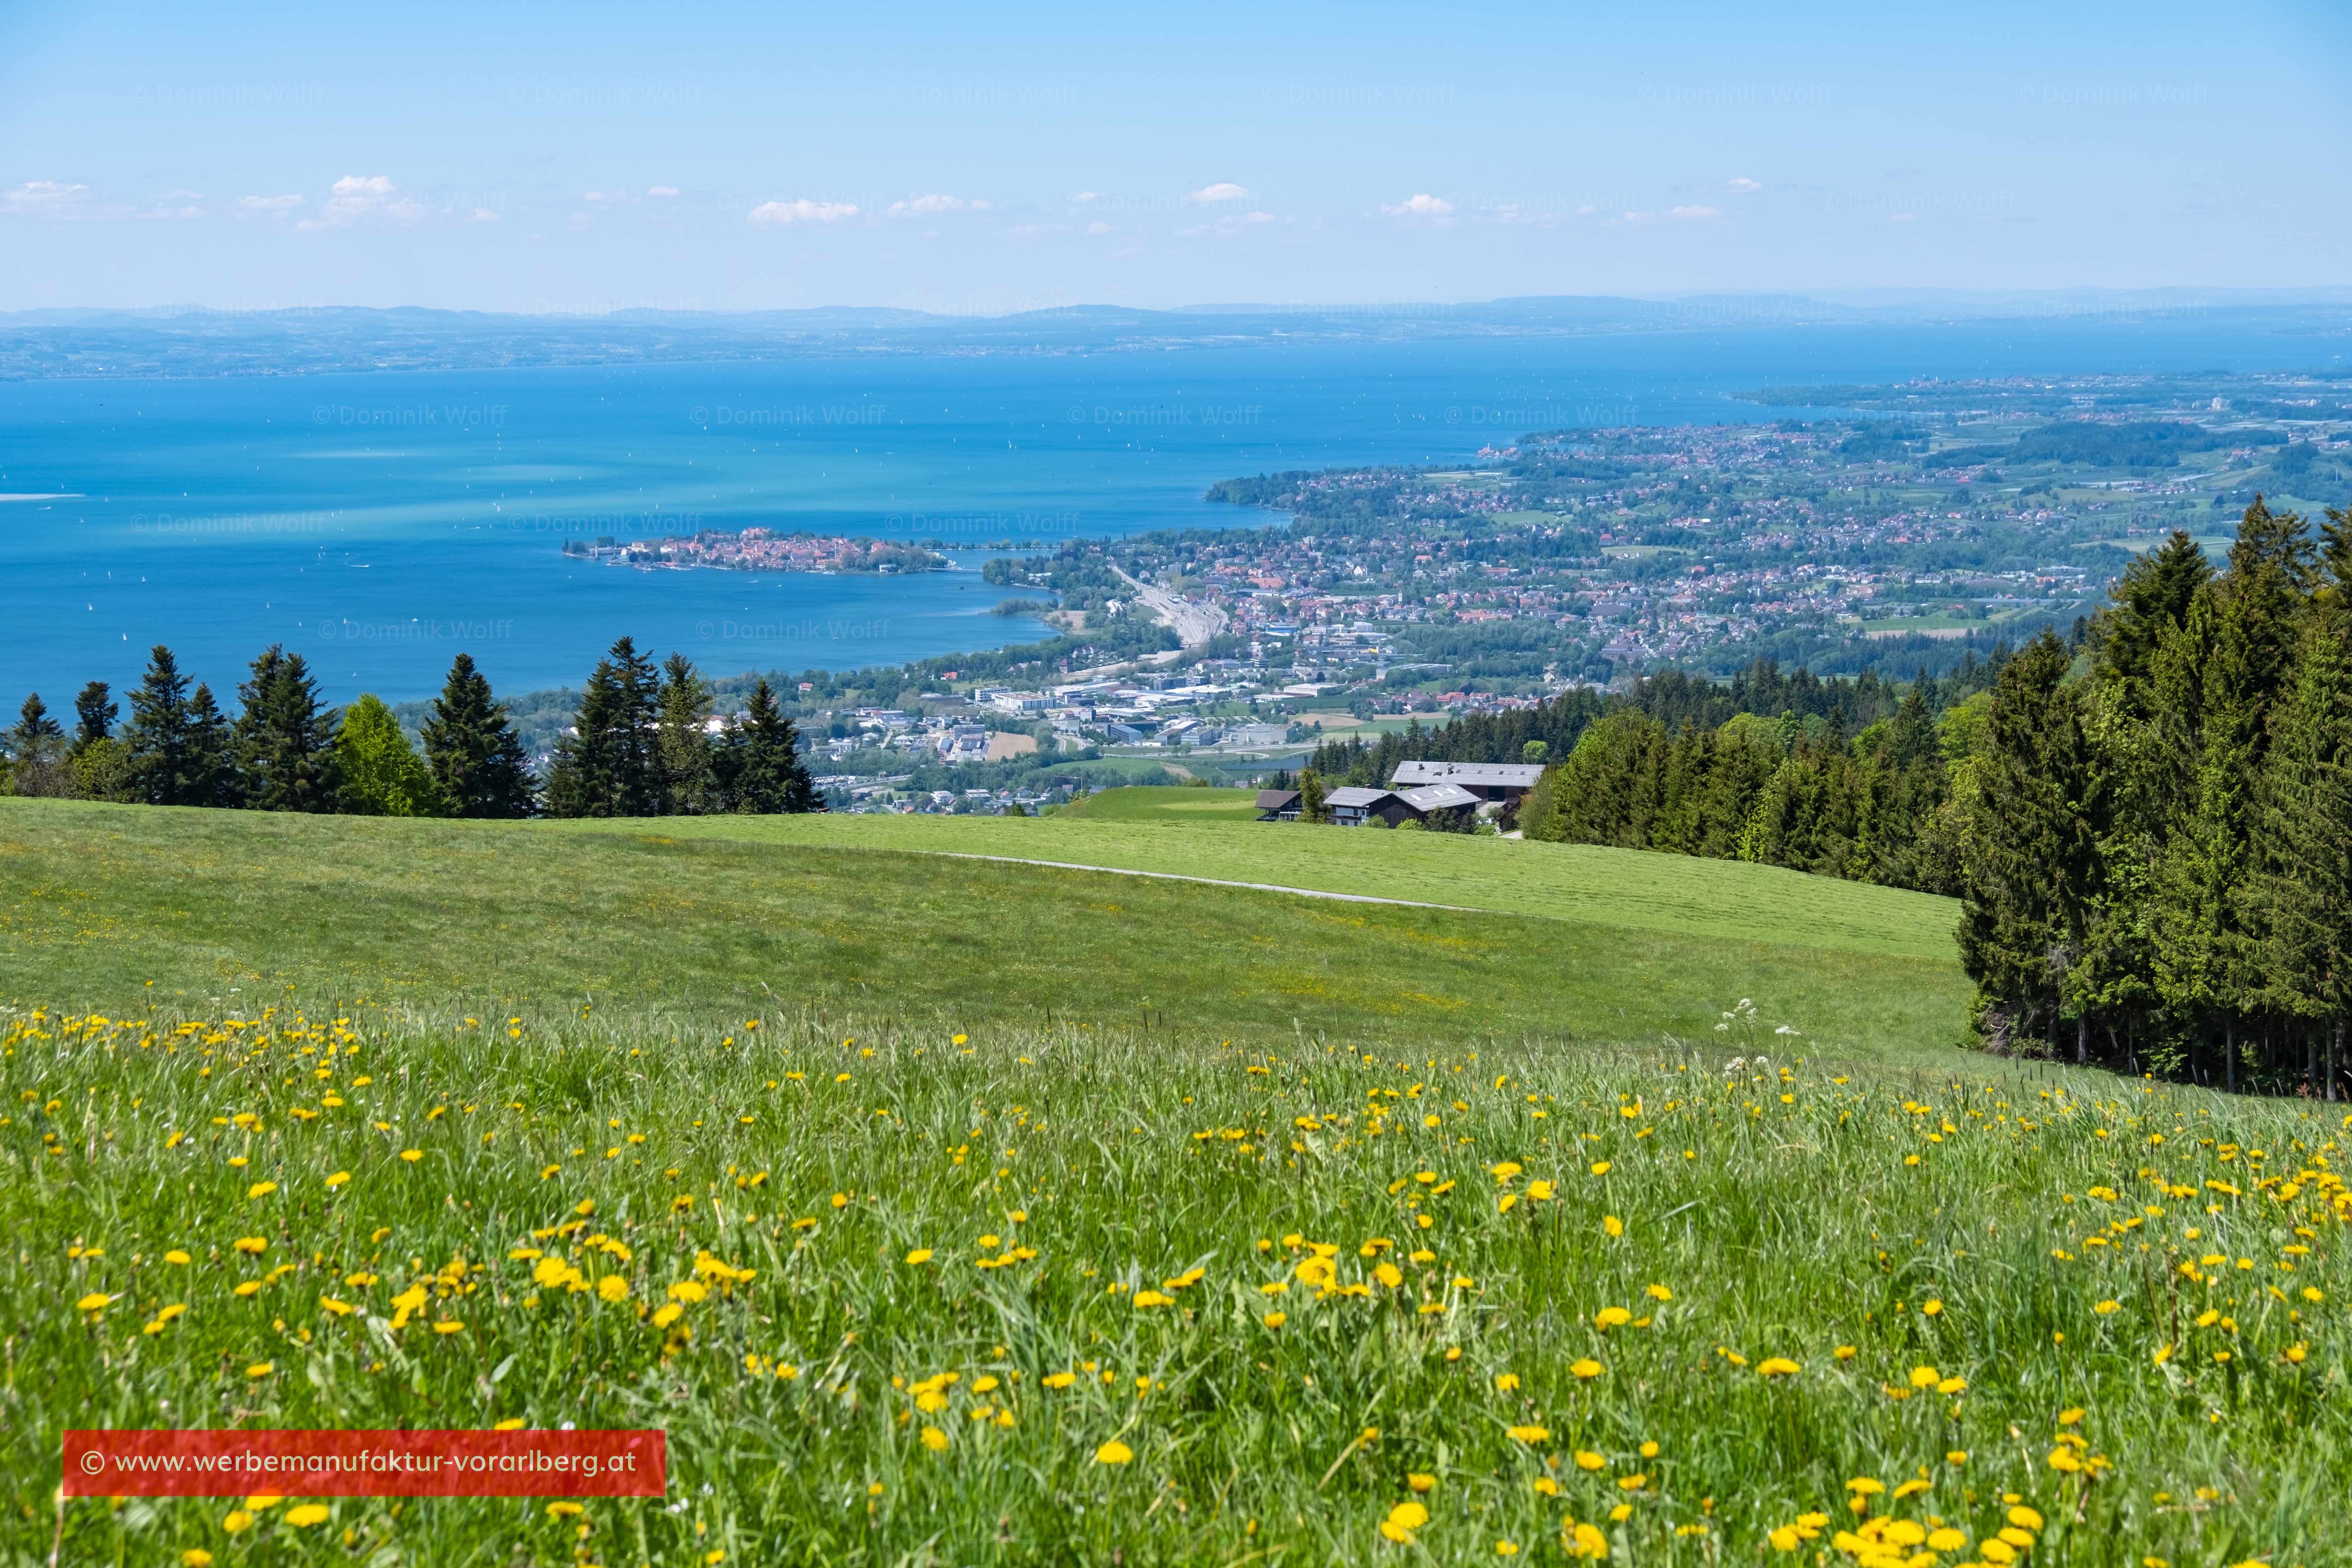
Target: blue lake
381	524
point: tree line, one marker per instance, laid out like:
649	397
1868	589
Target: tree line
1674	702
643	743
2157	871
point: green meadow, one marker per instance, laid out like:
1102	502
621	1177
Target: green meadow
952	1210
876	914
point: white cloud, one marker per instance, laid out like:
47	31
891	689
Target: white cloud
263	206
1694	213
926	206
481	215
1227	226
1743	186
661	190
803	210
42	196
1422	206
1223	191
1086	196
1097	229
364	198
173	208
600	196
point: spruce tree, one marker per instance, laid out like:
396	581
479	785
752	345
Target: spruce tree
36	750
2150	599
478	766
94	716
2243	630
759	766
2031	873
607	765
2305	870
683	740
34	730
174	753
284	740
212	758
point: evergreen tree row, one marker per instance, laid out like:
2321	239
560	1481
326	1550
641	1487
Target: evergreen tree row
1793	791
1673	698
285	750
645	744
2159	867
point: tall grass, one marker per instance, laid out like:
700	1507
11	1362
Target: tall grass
1649	1306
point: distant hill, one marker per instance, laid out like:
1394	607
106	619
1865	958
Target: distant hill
191	340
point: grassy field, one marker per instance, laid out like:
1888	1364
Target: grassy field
1154	803
1212	833
101	905
1041	1295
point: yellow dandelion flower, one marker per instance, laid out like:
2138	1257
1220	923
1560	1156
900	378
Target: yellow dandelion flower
1114	1453
304	1515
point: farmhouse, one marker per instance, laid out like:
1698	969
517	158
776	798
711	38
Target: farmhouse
1504	782
1277	806
1353	807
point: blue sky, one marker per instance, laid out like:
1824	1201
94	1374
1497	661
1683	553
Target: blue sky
701	155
